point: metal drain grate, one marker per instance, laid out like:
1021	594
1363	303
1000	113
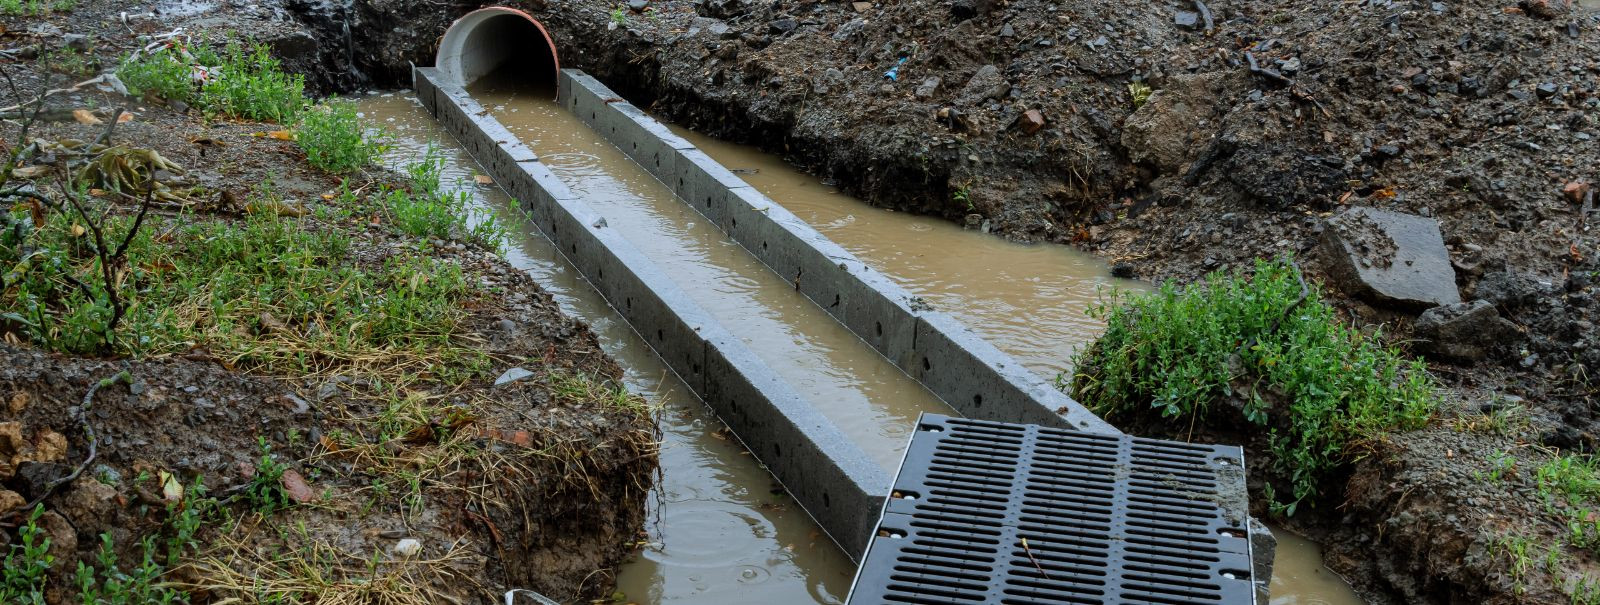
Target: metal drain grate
989	512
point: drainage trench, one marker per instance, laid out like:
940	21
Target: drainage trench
705	503
722	535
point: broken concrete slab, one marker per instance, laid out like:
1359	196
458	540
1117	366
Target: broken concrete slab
1390	258
1465	332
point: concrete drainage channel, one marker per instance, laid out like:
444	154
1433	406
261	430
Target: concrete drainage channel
832	479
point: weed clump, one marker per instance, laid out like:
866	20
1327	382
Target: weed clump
333	139
1264	347
238	82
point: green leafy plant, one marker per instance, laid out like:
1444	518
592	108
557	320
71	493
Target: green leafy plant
27	565
251	84
428	209
161	73
266	494
1263	347
333	139
1140	92
1574	477
963	196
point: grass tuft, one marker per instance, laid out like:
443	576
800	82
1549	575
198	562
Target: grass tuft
1264	347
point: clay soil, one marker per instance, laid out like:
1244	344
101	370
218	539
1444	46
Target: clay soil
529	485
1142	132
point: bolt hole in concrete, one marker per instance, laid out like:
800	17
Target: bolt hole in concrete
723	533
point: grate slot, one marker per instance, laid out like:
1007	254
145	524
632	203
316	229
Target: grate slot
1024	515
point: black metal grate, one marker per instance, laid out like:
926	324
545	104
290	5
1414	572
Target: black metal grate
989	512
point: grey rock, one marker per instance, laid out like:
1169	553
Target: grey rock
961	10
34	478
928	87
987	83
1509	288
638	5
1007	31
1390	258
328	390
1546	90
1466	331
301	406
512	375
1186	19
76	41
782	26
827	81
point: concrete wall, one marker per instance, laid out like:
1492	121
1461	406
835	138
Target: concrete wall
964	370
827	474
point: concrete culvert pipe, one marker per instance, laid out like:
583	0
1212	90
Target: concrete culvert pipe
501	41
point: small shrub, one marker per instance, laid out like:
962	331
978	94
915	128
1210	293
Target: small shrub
251	84
162	74
1283	360
427	209
334	140
265	493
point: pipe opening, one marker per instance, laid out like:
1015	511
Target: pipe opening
504	43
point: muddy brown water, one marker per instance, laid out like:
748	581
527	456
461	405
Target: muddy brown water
723	532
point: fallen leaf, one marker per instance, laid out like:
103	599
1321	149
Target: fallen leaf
78	230
97	192
125	117
483	179
84	116
282	135
295	486
30	172
271	323
171	490
1384	193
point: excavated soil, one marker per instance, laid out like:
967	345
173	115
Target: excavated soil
1172	141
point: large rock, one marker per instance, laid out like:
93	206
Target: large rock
1167	128
1390	258
1467	331
987	83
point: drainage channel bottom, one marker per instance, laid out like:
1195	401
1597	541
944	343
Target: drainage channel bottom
990	512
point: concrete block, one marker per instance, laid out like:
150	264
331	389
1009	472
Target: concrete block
830	476
422	83
827	474
981	382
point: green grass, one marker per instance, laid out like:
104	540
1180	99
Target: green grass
35	8
265	291
1248	347
583	389
333	139
1575	478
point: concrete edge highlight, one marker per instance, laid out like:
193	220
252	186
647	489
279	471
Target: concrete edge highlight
956	364
831	477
